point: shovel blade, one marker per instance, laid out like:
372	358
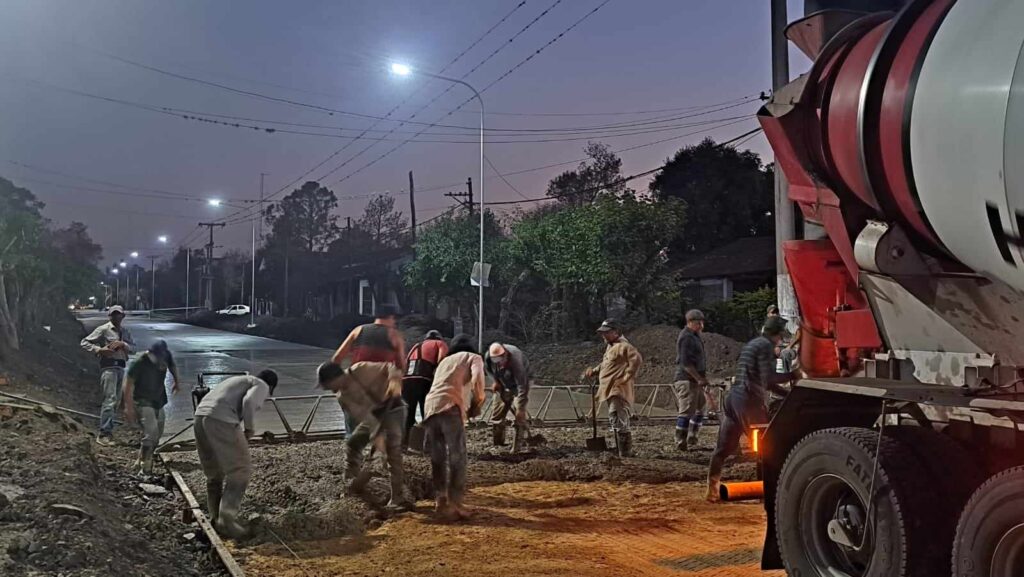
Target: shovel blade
597	444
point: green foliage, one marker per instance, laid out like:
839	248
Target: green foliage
447	249
611	245
742	317
728	195
381	223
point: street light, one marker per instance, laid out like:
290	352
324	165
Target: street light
214	202
135	254
162	238
400	69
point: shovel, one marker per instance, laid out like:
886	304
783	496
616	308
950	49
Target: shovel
595	443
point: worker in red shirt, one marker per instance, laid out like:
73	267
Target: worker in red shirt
420	365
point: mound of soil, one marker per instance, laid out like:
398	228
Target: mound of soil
561	364
67	510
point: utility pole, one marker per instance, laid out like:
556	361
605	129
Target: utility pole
208	265
152	284
188	271
468	195
412	206
785	229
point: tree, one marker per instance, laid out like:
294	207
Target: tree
586	252
599	175
446	251
381	222
728	195
305	218
41	270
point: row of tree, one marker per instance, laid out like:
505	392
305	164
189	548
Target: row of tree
42	268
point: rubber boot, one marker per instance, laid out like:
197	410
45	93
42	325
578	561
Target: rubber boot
714	486
499	435
147	460
228	522
519	439
692	438
680	439
214	492
624	443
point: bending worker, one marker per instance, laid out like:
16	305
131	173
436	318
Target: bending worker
691	381
370	393
746	405
421	363
224	447
144	388
456	395
510	370
617	378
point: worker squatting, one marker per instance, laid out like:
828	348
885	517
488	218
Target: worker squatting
382	387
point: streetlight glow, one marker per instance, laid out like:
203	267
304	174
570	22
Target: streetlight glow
135	254
214	202
162	238
114	271
400	69
123	264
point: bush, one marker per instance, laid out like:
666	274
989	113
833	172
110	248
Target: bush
742	317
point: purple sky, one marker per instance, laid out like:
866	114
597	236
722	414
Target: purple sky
628	56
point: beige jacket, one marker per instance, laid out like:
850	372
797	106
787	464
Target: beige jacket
367	386
617	371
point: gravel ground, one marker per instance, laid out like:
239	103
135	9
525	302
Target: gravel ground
296	489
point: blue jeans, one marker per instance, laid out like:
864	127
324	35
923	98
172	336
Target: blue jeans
111	381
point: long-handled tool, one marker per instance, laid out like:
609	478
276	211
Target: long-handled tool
595	443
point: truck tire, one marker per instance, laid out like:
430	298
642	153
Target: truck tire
955	472
823	525
990	536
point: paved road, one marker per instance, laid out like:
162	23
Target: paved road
198	349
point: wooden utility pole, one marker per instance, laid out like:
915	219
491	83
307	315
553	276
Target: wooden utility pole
208	265
412	206
468	195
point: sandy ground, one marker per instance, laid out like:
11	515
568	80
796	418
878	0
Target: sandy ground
556	510
545	528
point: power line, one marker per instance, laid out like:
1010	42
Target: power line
598	188
502	176
505	75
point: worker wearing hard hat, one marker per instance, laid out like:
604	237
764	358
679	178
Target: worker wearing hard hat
746	405
617	377
510	370
690	381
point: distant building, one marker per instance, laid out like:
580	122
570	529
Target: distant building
742	265
357	287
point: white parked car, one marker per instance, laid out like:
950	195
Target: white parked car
235	310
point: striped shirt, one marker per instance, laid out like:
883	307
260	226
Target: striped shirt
755	372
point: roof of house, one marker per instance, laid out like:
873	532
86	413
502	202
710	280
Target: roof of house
745	256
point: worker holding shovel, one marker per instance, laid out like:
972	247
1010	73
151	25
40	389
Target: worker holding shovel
617	376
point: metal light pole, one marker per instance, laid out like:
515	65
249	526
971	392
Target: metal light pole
405	70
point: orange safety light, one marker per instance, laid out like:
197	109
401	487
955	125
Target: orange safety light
755	439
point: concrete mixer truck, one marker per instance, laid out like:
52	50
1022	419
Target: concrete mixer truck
901	453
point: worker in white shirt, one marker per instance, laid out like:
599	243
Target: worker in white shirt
223	446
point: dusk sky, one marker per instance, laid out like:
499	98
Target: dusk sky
132	173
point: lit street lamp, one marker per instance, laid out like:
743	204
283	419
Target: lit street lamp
214	202
162	238
135	254
400	69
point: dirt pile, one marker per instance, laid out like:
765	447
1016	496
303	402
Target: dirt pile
66	509
296	490
561	364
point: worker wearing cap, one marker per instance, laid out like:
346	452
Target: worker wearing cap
510	370
112	343
789	348
223	445
617	379
370	394
690	381
420	364
145	396
746	405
